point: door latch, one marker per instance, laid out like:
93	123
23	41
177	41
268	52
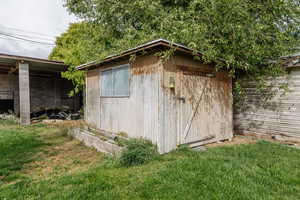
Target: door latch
181	99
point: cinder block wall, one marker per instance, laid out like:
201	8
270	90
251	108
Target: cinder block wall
46	93
6	89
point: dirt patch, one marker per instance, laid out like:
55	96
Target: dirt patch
251	139
65	123
235	141
61	155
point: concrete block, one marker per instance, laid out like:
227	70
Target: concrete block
90	140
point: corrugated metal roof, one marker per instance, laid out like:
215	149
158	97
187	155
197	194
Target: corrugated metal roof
149	45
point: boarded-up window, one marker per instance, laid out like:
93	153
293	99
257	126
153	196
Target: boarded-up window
115	82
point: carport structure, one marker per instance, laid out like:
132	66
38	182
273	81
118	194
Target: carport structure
32	84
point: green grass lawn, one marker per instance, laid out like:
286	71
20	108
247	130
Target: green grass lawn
40	162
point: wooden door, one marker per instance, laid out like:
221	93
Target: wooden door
192	111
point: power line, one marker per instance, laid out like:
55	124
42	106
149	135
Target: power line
27	40
16	40
28	36
26	31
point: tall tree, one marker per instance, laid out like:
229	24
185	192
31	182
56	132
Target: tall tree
244	34
81	43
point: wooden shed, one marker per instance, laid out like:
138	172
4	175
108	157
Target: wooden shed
172	102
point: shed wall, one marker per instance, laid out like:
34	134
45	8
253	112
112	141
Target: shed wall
136	115
278	116
92	109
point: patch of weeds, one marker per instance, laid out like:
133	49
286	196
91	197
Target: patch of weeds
123	134
103	138
261	141
64	131
121	142
53	153
9	119
183	149
76	162
110	162
23	183
8	122
16	177
138	152
38	126
60	168
81	143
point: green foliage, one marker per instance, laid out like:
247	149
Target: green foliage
242	33
10	121
183	149
78	45
138	152
264	81
238	35
165	55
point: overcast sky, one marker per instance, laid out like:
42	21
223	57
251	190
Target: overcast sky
37	20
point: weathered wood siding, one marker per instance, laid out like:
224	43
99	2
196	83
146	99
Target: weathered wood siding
184	122
92	109
136	115
278	116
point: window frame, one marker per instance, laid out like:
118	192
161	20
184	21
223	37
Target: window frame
112	69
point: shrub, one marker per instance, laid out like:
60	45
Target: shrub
138	152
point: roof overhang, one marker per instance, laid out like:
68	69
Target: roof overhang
160	43
7	62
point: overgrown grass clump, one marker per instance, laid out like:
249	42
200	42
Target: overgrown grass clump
138	152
